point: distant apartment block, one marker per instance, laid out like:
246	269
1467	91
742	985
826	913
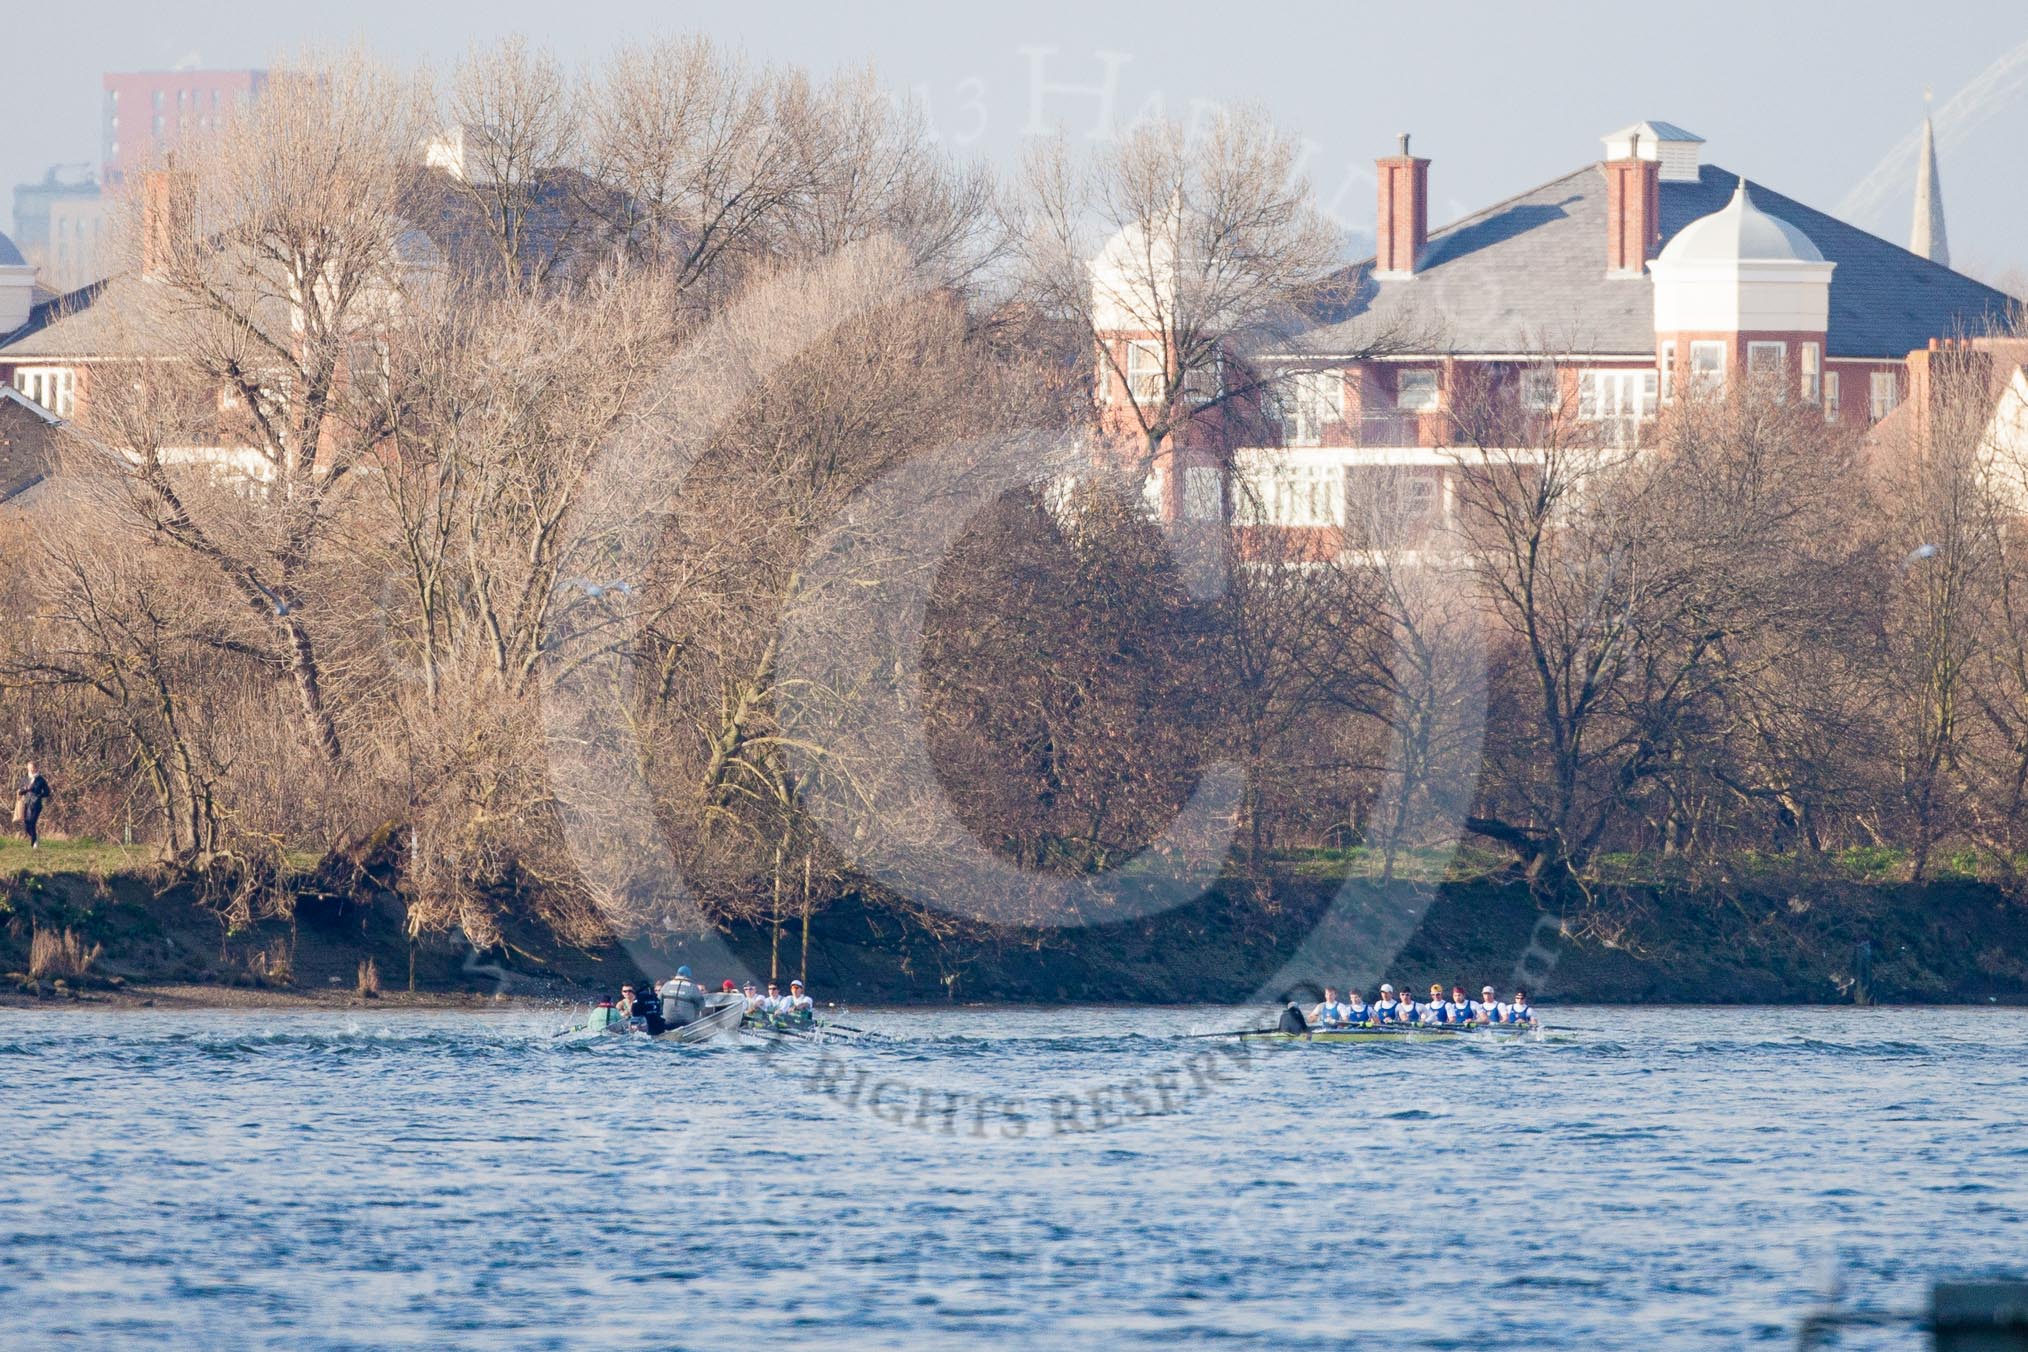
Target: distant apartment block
150	113
57	226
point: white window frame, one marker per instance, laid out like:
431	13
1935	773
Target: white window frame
1428	403
1153	490
1883	393
53	387
1394	503
1765	358
1206	384
1203	493
1707	377
1147	370
1620	400
1294	495
1668	381
1812	379
1830	396
1541	389
1307	403
1607	394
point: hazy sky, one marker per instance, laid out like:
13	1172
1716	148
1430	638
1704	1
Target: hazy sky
1819	101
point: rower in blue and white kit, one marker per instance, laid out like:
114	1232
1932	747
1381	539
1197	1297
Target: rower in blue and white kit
1386	1008
1358	1014
1329	1013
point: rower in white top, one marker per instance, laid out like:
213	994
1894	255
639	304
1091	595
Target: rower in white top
798	1005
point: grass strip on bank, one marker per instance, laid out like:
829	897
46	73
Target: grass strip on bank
82	857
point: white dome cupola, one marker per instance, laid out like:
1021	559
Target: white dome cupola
1741	270
17	287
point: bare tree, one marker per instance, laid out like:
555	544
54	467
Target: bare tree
274	257
515	141
689	163
1203	248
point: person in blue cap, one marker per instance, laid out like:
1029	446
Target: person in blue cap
682	999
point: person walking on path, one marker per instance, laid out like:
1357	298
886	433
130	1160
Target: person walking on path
28	803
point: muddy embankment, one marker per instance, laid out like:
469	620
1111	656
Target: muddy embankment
1943	942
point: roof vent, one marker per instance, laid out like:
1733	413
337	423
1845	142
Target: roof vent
1673	148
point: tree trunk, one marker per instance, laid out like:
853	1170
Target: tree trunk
310	689
804	973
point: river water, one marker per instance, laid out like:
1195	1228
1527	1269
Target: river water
996	1178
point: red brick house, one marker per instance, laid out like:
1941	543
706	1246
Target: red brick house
1603	292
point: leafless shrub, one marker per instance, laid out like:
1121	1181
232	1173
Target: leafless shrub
60	954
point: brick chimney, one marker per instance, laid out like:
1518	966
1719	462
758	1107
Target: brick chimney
1403	226
1633	211
166	210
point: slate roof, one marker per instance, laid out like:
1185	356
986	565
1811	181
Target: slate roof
70	325
1528	275
25	441
126	312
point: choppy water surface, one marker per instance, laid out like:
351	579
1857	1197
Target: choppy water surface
987	1177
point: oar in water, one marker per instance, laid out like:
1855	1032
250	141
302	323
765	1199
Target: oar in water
1237	1032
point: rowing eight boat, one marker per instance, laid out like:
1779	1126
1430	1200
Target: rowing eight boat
1421	1033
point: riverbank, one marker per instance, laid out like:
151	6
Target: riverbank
114	929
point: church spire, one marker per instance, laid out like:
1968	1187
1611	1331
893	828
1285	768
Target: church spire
1926	236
